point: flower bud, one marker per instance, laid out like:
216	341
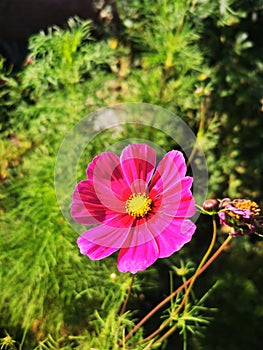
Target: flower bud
210	205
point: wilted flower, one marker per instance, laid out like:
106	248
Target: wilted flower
138	209
241	214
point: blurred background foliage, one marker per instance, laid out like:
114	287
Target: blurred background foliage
201	60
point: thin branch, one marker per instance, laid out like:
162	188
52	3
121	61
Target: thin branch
127	296
167	299
193	279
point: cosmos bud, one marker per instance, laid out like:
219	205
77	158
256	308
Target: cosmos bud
210	205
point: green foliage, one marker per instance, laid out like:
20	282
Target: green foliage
235	59
168	56
240	294
45	283
199	59
66	57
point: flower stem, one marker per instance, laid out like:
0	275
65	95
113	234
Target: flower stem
184	302
123	310
127	296
167	299
205	257
166	335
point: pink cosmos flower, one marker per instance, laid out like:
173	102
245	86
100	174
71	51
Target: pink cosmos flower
137	208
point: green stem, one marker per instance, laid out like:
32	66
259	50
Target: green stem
193	279
167	299
123	310
166	335
127	296
185	340
205	257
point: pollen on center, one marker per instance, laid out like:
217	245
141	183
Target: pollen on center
138	205
249	205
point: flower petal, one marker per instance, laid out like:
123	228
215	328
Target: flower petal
178	201
138	163
84	205
170	234
108	179
171	169
170	181
94	251
105	236
87	209
138	235
138	258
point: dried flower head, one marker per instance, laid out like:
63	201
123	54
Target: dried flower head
241	214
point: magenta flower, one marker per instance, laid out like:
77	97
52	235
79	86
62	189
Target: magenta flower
138	209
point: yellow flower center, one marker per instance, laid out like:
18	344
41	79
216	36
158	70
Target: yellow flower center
138	205
247	204
244	205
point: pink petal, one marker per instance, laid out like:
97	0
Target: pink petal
178	201
105	236
170	233
87	209
95	170
138	258
170	188
138	235
138	163
81	200
107	177
171	169
94	251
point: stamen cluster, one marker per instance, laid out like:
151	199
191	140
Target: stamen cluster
138	205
